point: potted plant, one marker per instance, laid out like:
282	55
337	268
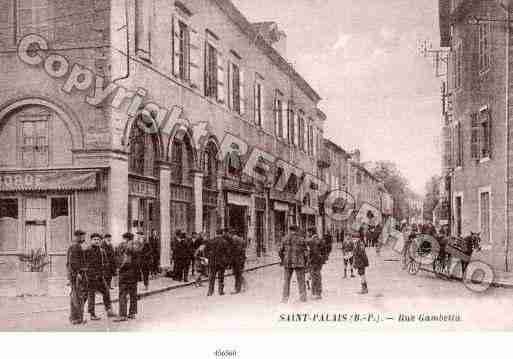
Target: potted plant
32	280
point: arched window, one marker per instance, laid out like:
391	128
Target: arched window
182	160
143	153
210	165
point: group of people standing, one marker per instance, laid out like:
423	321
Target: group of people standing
307	253
92	264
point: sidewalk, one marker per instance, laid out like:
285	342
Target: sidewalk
19	306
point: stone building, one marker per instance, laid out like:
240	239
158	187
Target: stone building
150	115
477	118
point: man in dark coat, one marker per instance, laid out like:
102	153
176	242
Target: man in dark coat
110	269
217	251
293	255
188	250
146	259
129	273
238	258
96	264
197	241
360	262
318	254
174	254
328	239
75	264
155	247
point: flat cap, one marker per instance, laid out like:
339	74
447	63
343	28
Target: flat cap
128	235
79	232
95	235
107	235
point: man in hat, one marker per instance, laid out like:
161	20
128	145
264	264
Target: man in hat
97	264
110	269
217	251
75	264
238	258
293	255
155	247
318	255
146	259
128	277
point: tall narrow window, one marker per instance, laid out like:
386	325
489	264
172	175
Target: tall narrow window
486	134
457	214
301	134
484	211
235	87
34	142
459	145
474	137
181	49
484	46
278	114
210	71
258	103
144	19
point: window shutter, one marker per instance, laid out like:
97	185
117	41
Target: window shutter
490	144
255	103
474	137
194	58
206	82
296	128
220	79
176	46
275	111
242	98
284	119
292	129
229	83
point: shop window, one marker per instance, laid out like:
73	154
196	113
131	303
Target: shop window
9	208
59	207
8	224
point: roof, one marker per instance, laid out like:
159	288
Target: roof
367	172
249	29
337	148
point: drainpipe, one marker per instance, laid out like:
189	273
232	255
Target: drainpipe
508	33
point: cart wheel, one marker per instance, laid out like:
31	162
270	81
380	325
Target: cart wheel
413	267
439	268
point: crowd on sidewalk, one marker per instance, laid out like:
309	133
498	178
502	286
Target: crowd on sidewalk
93	263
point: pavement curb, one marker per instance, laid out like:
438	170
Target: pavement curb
146	294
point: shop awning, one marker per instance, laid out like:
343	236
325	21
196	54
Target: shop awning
58	180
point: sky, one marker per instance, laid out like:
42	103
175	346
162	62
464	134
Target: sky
378	93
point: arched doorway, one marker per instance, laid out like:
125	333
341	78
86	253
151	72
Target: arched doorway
210	167
143	215
182	183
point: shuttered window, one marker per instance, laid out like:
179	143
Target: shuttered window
181	49
258	96
458	134
278	114
210	71
486	134
290	122
485	31
474	137
143	22
235	88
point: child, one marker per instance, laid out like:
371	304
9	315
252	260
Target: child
201	263
347	253
360	262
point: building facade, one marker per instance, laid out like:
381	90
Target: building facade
476	115
115	117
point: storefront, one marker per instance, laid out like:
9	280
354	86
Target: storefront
143	206
238	207
284	213
40	209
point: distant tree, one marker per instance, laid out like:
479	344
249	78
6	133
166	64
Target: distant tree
395	183
432	196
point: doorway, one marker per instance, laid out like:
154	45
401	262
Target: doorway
237	219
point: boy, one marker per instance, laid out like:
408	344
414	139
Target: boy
347	253
201	264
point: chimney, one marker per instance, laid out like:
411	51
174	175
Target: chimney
269	31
